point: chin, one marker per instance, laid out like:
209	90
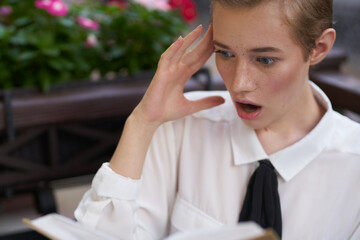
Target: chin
254	124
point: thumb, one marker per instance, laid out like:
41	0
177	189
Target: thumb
205	103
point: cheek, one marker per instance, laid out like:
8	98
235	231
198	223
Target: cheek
285	84
278	83
278	91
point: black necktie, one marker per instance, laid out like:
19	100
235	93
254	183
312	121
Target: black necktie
262	202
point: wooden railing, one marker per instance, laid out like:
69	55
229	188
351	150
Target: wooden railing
67	132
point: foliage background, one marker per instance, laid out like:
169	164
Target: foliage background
40	49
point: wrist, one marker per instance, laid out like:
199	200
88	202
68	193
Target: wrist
140	120
129	156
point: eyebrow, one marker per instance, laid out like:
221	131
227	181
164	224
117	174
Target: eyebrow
256	50
221	45
265	49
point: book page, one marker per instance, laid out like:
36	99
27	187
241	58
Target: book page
242	231
57	227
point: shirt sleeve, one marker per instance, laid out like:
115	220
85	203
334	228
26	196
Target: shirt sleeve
135	209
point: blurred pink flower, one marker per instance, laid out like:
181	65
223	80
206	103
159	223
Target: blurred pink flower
88	23
54	7
187	9
58	8
5	10
91	41
118	3
155	4
43	3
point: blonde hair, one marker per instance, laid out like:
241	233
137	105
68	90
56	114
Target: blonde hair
307	19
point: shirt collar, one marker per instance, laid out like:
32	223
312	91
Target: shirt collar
291	160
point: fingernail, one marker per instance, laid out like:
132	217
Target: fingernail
179	40
197	27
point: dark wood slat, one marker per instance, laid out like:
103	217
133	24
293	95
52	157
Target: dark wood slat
343	91
21	165
53	146
15	178
21	140
79	104
87	132
82	158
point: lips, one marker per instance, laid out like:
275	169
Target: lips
247	110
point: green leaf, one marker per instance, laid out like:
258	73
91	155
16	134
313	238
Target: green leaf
117	51
19	38
22	21
45	80
2	31
27	55
51	51
66	22
32	39
65	76
61	64
46	38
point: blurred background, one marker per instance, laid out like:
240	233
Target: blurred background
71	72
347	25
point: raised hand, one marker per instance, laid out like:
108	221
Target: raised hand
164	99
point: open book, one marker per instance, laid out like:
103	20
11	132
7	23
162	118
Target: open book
58	227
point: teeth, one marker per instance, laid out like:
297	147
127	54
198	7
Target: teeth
249	108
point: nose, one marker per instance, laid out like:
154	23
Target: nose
244	78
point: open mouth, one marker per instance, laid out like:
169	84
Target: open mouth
249	108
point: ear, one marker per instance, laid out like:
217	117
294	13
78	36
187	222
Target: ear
323	46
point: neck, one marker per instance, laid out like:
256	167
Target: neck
304	115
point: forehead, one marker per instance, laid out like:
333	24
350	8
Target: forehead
251	27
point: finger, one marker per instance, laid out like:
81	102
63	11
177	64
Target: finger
206	43
188	41
201	53
205	103
197	60
207	39
172	50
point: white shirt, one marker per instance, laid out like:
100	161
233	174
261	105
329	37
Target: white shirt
196	174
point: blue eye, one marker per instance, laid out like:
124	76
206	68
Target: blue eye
266	60
224	53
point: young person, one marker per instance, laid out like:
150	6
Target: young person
184	162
